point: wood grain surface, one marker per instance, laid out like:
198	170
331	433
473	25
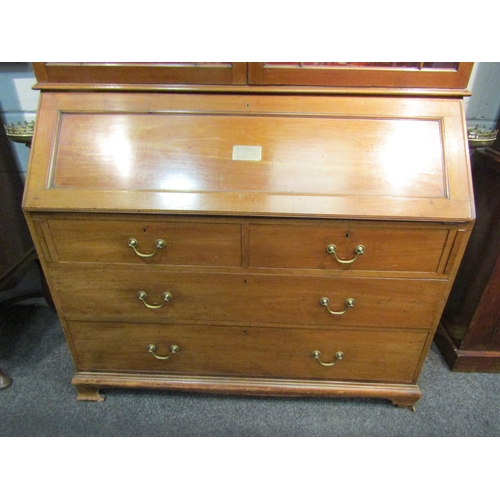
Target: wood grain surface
387	356
245	259
362	157
253	299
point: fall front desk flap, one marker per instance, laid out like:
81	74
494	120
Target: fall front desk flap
316	156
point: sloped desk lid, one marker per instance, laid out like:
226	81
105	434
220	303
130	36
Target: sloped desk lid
330	156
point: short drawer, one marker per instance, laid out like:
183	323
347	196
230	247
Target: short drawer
259	352
247	298
181	243
338	246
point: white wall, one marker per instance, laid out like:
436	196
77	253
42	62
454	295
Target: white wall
483	107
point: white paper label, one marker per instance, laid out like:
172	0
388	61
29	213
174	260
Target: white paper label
247	153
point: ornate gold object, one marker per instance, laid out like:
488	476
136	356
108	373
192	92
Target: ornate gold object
332	249
339	356
480	137
152	349
142	296
325	301
21	132
132	243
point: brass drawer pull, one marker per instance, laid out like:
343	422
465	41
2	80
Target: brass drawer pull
152	349
142	296
339	356
132	243
332	249
325	301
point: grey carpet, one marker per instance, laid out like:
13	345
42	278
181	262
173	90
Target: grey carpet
42	402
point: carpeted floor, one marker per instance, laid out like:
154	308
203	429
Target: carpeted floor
42	402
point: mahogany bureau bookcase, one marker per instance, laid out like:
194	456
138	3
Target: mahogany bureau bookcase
250	228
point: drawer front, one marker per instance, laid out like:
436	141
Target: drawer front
260	299
310	247
185	243
260	352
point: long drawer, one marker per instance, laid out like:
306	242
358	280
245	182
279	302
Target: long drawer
248	298
347	246
135	242
262	352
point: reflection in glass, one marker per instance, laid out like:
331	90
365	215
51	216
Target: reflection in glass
409	65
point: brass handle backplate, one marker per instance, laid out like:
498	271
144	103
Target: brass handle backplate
132	243
325	301
339	356
142	296
152	349
332	249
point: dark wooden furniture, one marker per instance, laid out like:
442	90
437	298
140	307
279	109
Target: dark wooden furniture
248	238
468	336
16	246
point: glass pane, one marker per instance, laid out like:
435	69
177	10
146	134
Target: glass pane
225	64
183	64
365	64
414	65
283	64
193	64
441	65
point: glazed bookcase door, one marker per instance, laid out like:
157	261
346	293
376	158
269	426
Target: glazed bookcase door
451	75
217	73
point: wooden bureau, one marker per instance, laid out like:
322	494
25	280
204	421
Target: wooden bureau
249	240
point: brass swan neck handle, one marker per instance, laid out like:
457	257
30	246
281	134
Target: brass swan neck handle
152	348
332	250
165	297
133	243
339	356
325	301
